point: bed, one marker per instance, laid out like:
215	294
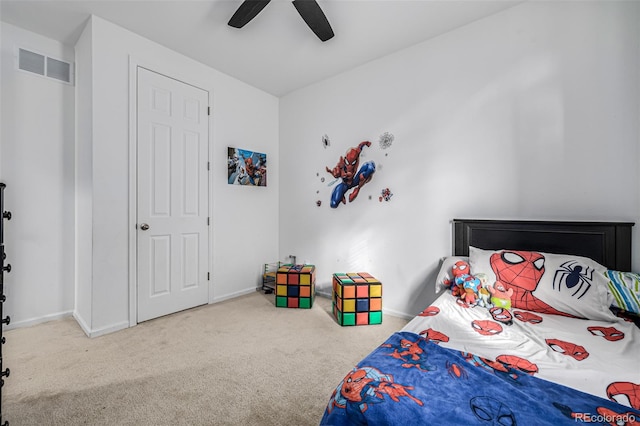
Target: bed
561	348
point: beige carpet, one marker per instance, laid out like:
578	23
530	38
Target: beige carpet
241	361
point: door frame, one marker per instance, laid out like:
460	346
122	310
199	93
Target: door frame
134	64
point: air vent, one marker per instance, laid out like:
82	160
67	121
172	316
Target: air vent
59	70
45	66
30	61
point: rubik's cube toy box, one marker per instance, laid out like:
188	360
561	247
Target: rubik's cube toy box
295	286
357	299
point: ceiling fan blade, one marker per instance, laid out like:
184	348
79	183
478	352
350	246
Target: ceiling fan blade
315	18
246	12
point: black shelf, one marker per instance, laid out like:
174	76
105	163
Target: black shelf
4	372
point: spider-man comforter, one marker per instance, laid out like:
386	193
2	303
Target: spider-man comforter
588	355
410	380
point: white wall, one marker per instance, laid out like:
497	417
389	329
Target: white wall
531	113
244	220
37	164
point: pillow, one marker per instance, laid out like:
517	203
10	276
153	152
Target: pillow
446	263
625	288
548	283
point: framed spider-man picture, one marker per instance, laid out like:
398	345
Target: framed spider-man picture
245	167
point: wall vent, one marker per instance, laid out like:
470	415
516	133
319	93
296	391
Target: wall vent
45	66
31	61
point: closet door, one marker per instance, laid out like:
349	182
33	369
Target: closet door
172	190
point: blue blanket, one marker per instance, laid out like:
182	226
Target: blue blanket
409	380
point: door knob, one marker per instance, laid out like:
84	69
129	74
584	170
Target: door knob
144	226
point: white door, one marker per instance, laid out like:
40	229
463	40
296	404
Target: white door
172	190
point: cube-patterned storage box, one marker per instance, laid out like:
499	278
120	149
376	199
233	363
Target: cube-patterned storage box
295	286
357	299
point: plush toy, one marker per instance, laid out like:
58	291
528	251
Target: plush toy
500	297
483	293
484	297
470	289
459	270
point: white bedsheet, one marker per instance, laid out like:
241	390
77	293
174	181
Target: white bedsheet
608	360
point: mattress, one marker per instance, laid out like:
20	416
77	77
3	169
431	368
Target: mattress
591	356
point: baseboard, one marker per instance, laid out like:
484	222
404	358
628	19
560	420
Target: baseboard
83	325
100	331
324	294
398	314
52	317
109	329
39	320
233	295
125	324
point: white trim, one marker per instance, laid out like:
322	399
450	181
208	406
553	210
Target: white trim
324	294
83	325
211	197
101	331
133	194
38	320
398	314
235	294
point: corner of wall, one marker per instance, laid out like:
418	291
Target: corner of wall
83	181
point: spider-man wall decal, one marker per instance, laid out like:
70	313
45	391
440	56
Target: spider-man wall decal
577	352
522	271
351	178
574	275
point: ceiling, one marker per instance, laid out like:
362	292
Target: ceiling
275	52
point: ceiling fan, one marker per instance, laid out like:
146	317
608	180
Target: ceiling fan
309	10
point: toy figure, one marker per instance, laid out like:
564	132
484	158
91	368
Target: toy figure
470	289
483	293
458	270
500	297
346	170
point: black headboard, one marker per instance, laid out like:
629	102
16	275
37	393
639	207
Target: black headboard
608	243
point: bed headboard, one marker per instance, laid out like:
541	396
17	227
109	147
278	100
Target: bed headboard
608	243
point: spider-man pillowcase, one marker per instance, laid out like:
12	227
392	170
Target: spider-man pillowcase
548	283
